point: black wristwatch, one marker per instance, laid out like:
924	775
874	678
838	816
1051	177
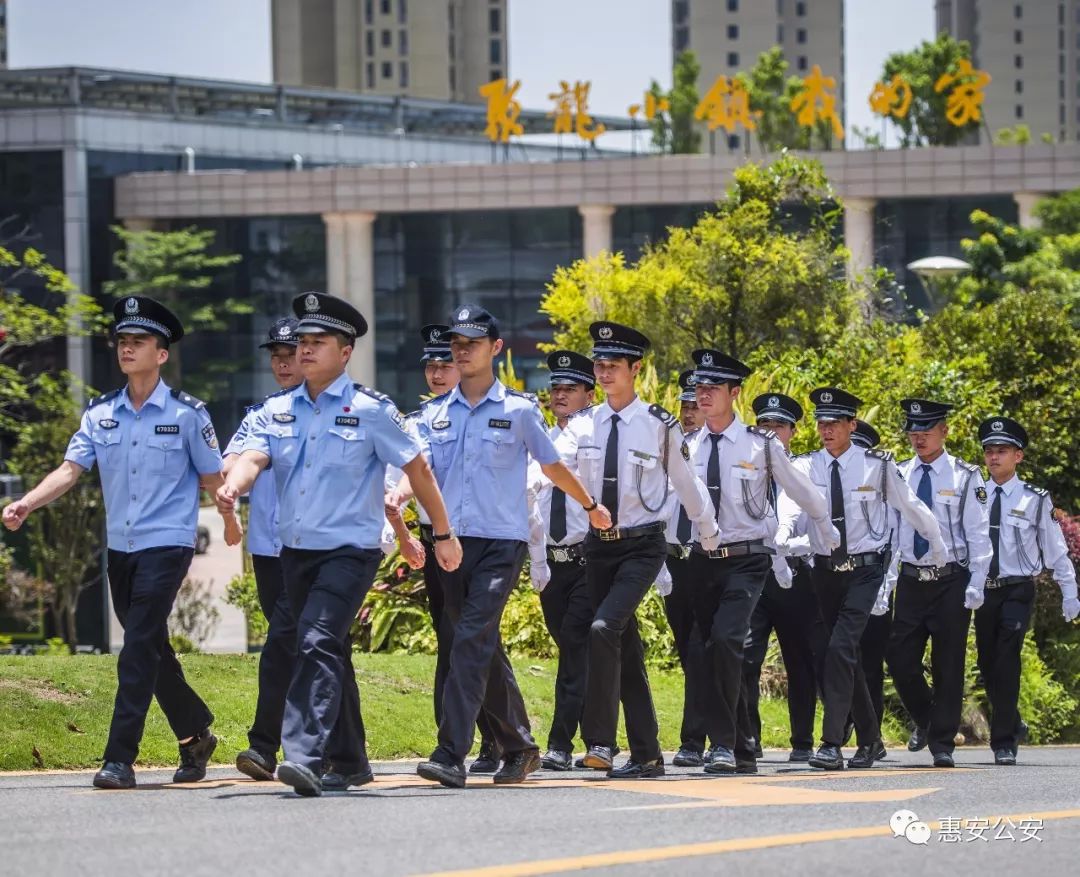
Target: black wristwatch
591	508
444	537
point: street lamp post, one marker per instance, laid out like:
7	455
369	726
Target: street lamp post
932	270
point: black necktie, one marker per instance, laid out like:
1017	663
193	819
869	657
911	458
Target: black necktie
836	498
712	473
995	532
682	532
925	492
557	528
609	493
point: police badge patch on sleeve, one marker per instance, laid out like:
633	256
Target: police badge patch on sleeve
209	436
395	416
685	449
980	494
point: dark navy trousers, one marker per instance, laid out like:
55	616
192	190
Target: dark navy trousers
277	658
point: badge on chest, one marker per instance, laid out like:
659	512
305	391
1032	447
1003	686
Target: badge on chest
284	418
744	471
641	458
108	423
167	429
948	497
344	420
496	423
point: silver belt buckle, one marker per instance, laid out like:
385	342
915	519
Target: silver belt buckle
847	566
684	552
610	535
719	553
560	555
928	573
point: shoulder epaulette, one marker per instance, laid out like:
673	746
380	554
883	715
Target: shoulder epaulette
257	405
530	396
412	414
968	467
761	431
433	399
803	455
664	416
187	399
587	410
374	394
104	397
693	432
1038	491
878	454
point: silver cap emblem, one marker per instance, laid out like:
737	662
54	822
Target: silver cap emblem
826	397
564	362
131	306
311	303
605	332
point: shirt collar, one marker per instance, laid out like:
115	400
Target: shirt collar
1007	488
496	393
939	465
157	398
337	388
731	432
626	415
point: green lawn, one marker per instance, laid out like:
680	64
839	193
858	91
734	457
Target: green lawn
61	706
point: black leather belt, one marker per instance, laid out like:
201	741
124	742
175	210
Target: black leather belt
852	561
1006	581
566	553
797	563
679	552
734	549
929	573
617	533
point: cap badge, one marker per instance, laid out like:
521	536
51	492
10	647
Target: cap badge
916	408
605	333
463	314
283	331
564	362
997	426
311	303
706	359
434	336
131	306
826	397
691	380
774	402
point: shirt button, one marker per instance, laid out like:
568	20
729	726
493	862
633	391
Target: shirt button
317	411
307	465
134	443
127	523
131	544
133	496
312	436
303	491
138	417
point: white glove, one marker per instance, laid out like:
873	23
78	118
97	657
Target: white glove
827	533
881	604
539	574
710	543
939	555
973	597
1070	608
387	539
663	581
783	574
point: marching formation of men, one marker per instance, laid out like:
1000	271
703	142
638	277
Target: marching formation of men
855	561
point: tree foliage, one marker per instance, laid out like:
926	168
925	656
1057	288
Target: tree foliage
771	91
681	135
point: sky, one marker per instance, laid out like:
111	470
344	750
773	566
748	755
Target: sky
618	45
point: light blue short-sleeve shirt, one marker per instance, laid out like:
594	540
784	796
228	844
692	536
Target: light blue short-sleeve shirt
262	526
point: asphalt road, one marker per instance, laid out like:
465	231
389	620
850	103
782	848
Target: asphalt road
788	819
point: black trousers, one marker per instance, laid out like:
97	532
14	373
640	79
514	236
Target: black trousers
480	674
322	721
568	615
444	636
790	612
931	611
1000	626
143	585
690	644
845	600
725	595
620	573
875	640
277	658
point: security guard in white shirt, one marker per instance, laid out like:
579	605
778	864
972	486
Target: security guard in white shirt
935	595
860	486
557	563
631	455
1025	539
739	465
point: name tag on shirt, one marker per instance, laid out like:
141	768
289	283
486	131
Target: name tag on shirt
495	423
1019	519
948	497
744	472
641	458
347	421
865	493
167	429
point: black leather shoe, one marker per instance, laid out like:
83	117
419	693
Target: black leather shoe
450	775
336	781
1004	757
746	765
828	757
254	764
866	756
304	780
688	758
556	759
517	766
194	757
115	775
917	740
598	758
487	759
849	729
638	770
722	760
758	753
800	755
943	759
1021	736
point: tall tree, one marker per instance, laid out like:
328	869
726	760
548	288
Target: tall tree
771	91
682	135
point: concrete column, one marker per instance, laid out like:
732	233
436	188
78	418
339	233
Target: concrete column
596	228
77	259
859	234
1025	208
350	274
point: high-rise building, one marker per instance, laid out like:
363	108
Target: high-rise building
1031	49
440	49
3	35
728	35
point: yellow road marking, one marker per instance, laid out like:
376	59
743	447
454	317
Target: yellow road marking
708	848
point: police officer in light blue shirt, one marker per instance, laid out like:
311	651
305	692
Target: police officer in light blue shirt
479	438
329	442
259	760
153	447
